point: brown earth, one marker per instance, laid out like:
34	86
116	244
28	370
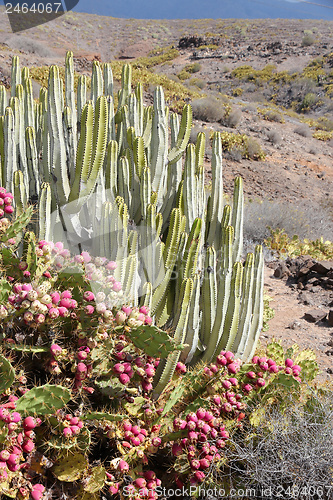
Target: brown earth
295	169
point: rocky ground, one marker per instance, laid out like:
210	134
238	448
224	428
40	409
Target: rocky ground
296	169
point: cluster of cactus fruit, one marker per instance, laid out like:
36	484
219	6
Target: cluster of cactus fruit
195	433
127	294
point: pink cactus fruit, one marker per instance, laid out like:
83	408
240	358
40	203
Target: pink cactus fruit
123	466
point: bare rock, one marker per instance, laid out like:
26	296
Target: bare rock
281	270
315	315
305	299
323	267
330	317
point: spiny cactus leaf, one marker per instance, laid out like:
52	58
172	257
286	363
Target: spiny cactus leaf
33	349
5	290
257	416
61	443
70	468
153	341
43	400
275	351
84	440
134	408
307	354
287	381
174	397
309	369
99	415
20	223
7	374
95	480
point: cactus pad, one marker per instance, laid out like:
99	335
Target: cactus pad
95	480
7	374
153	341
5	289
70	468
43	400
275	351
20	223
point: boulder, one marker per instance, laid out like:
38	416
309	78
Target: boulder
315	315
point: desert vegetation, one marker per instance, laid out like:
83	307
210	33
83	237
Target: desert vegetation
130	360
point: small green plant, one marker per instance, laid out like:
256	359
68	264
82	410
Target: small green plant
237	92
309	102
280	242
308	40
322	135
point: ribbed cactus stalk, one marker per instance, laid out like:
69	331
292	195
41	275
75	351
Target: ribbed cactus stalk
10	150
81	96
167	367
20	193
3	100
15	74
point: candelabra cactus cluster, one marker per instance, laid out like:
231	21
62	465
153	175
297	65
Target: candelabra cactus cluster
116	183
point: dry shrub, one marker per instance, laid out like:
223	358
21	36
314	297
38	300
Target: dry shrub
234	154
274	116
304	219
274	136
253	148
233	118
208	109
27	45
308	40
292	449
303	130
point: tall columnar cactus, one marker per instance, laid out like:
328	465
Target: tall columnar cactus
125	184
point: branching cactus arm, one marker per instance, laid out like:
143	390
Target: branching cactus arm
81	96
59	176
237	218
190	192
44	212
215	212
208	296
246	307
223	294
108	79
193	325
30	137
183	136
258	305
3	100
232	315
96	82
10	158
15	74
159	140
20	194
84	152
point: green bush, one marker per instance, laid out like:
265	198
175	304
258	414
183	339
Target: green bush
308	40
309	102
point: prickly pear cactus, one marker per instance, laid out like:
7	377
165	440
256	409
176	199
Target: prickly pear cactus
70	468
7	374
154	341
43	400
